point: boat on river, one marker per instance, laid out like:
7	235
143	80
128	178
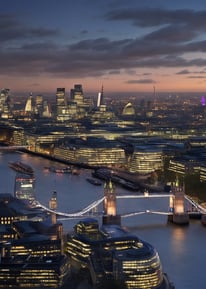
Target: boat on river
60	170
63	170
94	182
21	168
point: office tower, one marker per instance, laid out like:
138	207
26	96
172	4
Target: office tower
46	109
3	97
111	254
30	106
77	94
5	103
24	188
39	105
61	101
100	98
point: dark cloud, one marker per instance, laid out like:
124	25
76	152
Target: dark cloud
141	81
158	17
12	29
37	51
172	33
84	32
198	77
185	71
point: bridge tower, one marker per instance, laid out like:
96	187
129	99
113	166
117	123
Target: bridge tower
110	210
180	216
53	206
57	227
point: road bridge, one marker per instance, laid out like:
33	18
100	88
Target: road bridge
92	209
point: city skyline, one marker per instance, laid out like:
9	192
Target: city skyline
124	46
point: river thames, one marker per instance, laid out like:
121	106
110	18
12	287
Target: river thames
181	249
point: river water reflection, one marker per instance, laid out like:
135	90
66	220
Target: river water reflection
181	249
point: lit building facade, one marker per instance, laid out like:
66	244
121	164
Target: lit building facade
5	103
111	253
92	156
30	105
39	105
61	103
33	272
146	159
77	94
110	199
30	256
24	188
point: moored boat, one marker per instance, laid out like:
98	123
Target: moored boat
60	170
21	167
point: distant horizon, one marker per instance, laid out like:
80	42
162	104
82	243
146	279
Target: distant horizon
137	94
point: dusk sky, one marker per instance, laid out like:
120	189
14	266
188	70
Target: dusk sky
126	46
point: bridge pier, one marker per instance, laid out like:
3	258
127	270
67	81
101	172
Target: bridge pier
179	219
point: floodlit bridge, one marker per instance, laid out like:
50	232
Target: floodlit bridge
109	204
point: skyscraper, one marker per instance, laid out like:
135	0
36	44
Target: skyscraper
30	107
77	94
39	105
100	98
5	103
61	102
24	188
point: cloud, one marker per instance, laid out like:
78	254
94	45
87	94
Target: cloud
169	36
12	29
158	17
141	81
198	77
185	71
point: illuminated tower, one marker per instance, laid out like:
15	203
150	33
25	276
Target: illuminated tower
46	109
203	101
53	206
77	95
155	98
110	199
100	98
29	107
180	216
5	103
24	188
61	102
110	216
39	105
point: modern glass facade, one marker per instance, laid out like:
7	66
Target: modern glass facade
146	160
94	156
111	253
24	187
33	272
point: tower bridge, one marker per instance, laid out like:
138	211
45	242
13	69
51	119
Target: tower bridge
177	213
